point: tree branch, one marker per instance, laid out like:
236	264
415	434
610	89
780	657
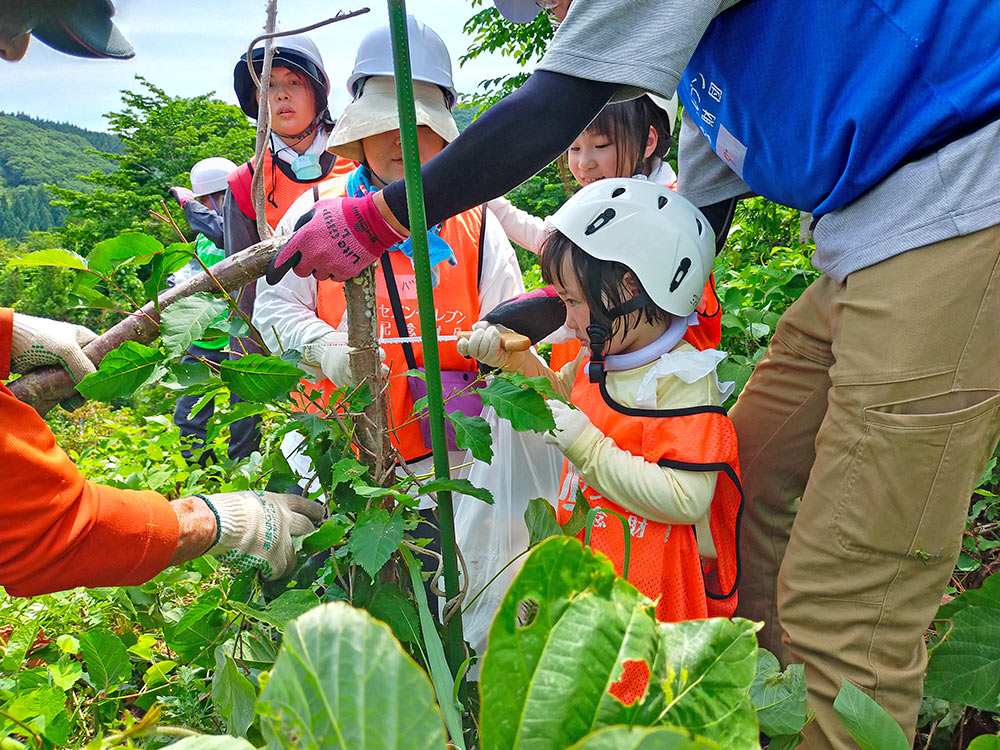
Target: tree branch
47	386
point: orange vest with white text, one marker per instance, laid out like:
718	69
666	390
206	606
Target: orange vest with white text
665	564
456	301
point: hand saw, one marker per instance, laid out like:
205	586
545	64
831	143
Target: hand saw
511	342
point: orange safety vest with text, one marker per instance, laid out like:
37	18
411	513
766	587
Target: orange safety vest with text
456	300
281	187
665	564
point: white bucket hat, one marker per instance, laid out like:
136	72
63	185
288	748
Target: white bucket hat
374	111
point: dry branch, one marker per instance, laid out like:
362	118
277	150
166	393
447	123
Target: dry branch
47	386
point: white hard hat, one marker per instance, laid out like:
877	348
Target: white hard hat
666	242
429	58
374	111
669	107
209	175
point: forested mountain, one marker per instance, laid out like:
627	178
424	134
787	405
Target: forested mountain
35	153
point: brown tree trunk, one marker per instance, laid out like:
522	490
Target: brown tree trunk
372	426
47	386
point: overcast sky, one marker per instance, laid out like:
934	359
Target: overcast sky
189	47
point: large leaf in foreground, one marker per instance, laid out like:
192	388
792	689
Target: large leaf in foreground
259	378
641	738
963	668
109	254
207	742
186	320
545	685
107	660
122	372
709	667
524	408
779	697
342	681
50	257
866	721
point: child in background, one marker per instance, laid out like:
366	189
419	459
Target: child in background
649	438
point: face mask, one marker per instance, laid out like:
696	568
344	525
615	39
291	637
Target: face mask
306	167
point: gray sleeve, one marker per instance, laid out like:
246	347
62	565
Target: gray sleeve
702	177
203	219
641	44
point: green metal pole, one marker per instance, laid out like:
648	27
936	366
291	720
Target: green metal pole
428	319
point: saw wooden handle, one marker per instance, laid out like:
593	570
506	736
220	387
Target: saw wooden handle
511	342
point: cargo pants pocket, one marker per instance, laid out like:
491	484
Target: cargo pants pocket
912	472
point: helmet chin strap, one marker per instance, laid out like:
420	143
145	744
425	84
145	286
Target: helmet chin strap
598	333
310	129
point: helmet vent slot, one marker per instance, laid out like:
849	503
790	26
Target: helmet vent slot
617	191
601	221
701	227
682	270
662	201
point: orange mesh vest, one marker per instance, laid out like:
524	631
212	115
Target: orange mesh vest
280	189
456	300
665	564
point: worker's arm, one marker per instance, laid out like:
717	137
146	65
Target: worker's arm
58	530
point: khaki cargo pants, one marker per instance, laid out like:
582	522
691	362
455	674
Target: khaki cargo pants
862	433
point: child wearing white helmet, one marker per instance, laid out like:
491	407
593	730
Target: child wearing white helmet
648	438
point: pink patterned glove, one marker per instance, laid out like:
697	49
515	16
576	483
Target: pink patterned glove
337	239
182	194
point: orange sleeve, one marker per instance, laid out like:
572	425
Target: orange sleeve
6	339
58	530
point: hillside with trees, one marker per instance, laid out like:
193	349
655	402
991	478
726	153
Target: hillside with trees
37	153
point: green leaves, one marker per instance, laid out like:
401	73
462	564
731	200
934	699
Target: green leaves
259	378
524	408
107	660
867	722
779	697
42	709
52	257
122	372
186	320
232	693
108	255
472	433
464	486
575	649
540	518
342	681
641	738
375	537
963	665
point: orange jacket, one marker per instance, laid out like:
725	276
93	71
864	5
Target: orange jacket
665	563
456	300
57	530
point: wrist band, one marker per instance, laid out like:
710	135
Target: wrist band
218	521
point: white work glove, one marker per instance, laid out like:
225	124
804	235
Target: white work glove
333	357
570	425
41	341
255	529
484	345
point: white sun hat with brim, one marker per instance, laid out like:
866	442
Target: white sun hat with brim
518	11
374	111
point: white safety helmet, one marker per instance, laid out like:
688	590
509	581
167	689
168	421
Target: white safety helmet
669	107
666	242
209	175
429	58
